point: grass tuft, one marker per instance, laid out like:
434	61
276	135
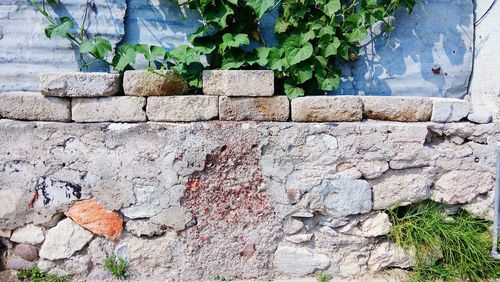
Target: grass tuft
323	277
447	247
35	275
117	266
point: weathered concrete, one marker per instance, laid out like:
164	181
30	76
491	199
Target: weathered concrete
34	106
238	82
118	109
182	108
80	84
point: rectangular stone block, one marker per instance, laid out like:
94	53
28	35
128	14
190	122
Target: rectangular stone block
34	106
397	108
238	82
326	108
275	108
182	108
449	109
149	83
118	109
80	84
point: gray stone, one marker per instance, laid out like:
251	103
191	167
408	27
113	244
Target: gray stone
387	255
5	233
327	108
80	84
298	261
400	189
238	82
27	252
328	230
299	238
397	108
449	110
144	228
376	225
17	263
182	108
34	106
372	169
117	109
175	217
64	240
479	116
482	206
7	243
458	187
152	83
45	265
99	249
259	109
28	234
292	226
9	200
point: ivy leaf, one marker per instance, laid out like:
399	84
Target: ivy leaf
125	56
99	48
234	61
86	46
303	73
59	29
228	40
157	51
275	59
260	6
331	7
331	49
330	83
280	26
296	55
292	91
356	35
262	54
219	15
234	2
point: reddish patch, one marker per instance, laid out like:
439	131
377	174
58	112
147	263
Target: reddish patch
436	70
193	185
33	200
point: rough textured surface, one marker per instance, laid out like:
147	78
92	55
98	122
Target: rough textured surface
152	83
324	108
120	109
275	108
28	234
94	217
80	84
397	108
34	106
238	82
449	110
64	240
27	252
182	108
273	199
462	186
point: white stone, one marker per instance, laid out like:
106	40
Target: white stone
298	261
386	255
328	230
479	116
182	108
292	226
374	226
300	238
449	110
400	188
9	200
238	82
372	169
80	84
28	234
63	240
117	109
482	206
458	187
34	106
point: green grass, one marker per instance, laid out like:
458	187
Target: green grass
323	277
452	247
117	266
35	275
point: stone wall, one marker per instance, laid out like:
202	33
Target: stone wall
235	182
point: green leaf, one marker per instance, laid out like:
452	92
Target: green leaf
219	15
331	49
102	48
280	26
228	40
233	61
157	51
86	46
260	6
275	59
356	35
234	2
125	56
144	49
303	73
296	55
60	29
292	91
331	7
262	54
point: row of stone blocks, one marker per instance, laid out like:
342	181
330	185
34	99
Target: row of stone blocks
229	95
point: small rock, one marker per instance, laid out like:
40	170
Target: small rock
94	217
292	226
400	188
386	255
299	261
449	110
144	228
374	226
248	250
28	234
350	173
372	169
479	116
302	214
99	249
482	206
328	230
293	195
64	240
45	265
299	238
6	242
26	252
458	187
18	263
175	217
5	233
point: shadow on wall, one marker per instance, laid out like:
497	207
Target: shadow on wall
429	54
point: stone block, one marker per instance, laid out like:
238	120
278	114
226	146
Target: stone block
34	106
479	116
326	108
149	83
397	108
80	84
449	110
28	234
275	108
64	240
238	82
182	108
117	109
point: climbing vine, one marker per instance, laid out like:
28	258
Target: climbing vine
314	38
